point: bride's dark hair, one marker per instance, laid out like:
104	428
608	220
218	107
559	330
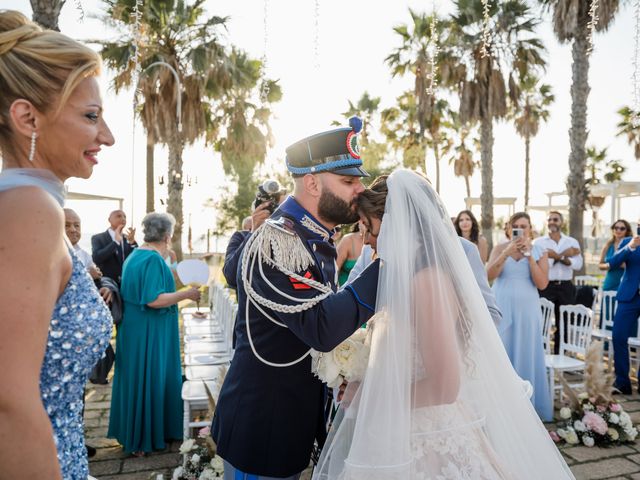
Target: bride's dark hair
371	202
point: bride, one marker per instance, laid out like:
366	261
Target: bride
439	399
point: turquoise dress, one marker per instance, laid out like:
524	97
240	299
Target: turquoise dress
614	275
146	402
521	328
79	331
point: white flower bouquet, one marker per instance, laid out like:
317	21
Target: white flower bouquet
348	361
593	418
201	462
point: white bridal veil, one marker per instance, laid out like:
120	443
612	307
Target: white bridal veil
440	399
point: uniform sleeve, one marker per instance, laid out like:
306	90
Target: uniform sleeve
231	258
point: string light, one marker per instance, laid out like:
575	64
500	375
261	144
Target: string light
593	23
136	34
486	38
433	49
635	78
80	9
264	90
316	36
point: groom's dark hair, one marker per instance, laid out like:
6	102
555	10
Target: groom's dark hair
371	202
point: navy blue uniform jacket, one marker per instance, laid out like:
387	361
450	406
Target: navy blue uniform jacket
267	418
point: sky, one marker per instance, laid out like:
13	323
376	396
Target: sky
327	52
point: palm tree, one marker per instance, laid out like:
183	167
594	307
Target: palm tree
462	157
415	57
570	24
630	128
600	167
47	12
527	117
490	81
177	34
247	136
400	128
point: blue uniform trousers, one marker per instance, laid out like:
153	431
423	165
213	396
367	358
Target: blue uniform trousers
231	473
625	325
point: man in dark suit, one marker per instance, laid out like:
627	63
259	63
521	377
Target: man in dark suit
111	248
271	406
625	322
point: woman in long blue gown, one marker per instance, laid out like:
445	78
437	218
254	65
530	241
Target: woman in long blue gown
519	270
146	403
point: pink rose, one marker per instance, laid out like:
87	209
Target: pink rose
595	423
601	408
615	407
204	432
554	436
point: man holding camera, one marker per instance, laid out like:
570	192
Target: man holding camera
270	411
564	258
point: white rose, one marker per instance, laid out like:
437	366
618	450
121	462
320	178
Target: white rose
562	433
587	407
345	354
572	438
613	433
613	418
579	426
207	474
187	446
631	432
177	473
565	413
588	441
217	464
195	459
327	370
359	335
583	395
625	419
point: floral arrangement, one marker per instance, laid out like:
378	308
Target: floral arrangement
593	418
348	361
201	461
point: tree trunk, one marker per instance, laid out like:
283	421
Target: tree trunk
486	196
150	175
468	185
175	186
46	13
578	135
527	143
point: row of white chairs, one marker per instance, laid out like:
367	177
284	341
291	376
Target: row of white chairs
207	352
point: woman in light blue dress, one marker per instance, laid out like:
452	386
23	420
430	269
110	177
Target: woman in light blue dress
54	326
519	270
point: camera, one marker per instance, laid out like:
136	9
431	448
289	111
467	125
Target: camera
517	232
268	191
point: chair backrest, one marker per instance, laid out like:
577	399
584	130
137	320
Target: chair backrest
576	322
589	280
608	306
547	320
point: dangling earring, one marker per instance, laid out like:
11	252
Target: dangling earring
32	152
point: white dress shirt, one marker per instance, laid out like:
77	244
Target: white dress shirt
558	270
83	256
112	234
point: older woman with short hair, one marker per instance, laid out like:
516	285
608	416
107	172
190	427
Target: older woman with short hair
146	405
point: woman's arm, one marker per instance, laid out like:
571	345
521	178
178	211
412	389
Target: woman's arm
539	271
167	299
483	248
603	264
34	269
436	318
499	255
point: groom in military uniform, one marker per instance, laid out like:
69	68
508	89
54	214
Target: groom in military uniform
271	407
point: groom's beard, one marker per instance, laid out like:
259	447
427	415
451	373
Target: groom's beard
335	210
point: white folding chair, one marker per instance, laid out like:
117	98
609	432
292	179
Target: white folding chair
203	372
547	321
205	347
607	307
195	397
576	322
198	359
589	280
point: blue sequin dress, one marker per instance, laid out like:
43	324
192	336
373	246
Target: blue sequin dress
79	332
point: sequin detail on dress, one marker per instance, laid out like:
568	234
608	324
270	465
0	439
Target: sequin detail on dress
79	332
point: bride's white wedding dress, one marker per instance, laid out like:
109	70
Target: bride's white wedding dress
439	399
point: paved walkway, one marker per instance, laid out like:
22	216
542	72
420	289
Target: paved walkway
111	464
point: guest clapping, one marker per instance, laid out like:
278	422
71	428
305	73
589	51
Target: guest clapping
146	403
53	324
